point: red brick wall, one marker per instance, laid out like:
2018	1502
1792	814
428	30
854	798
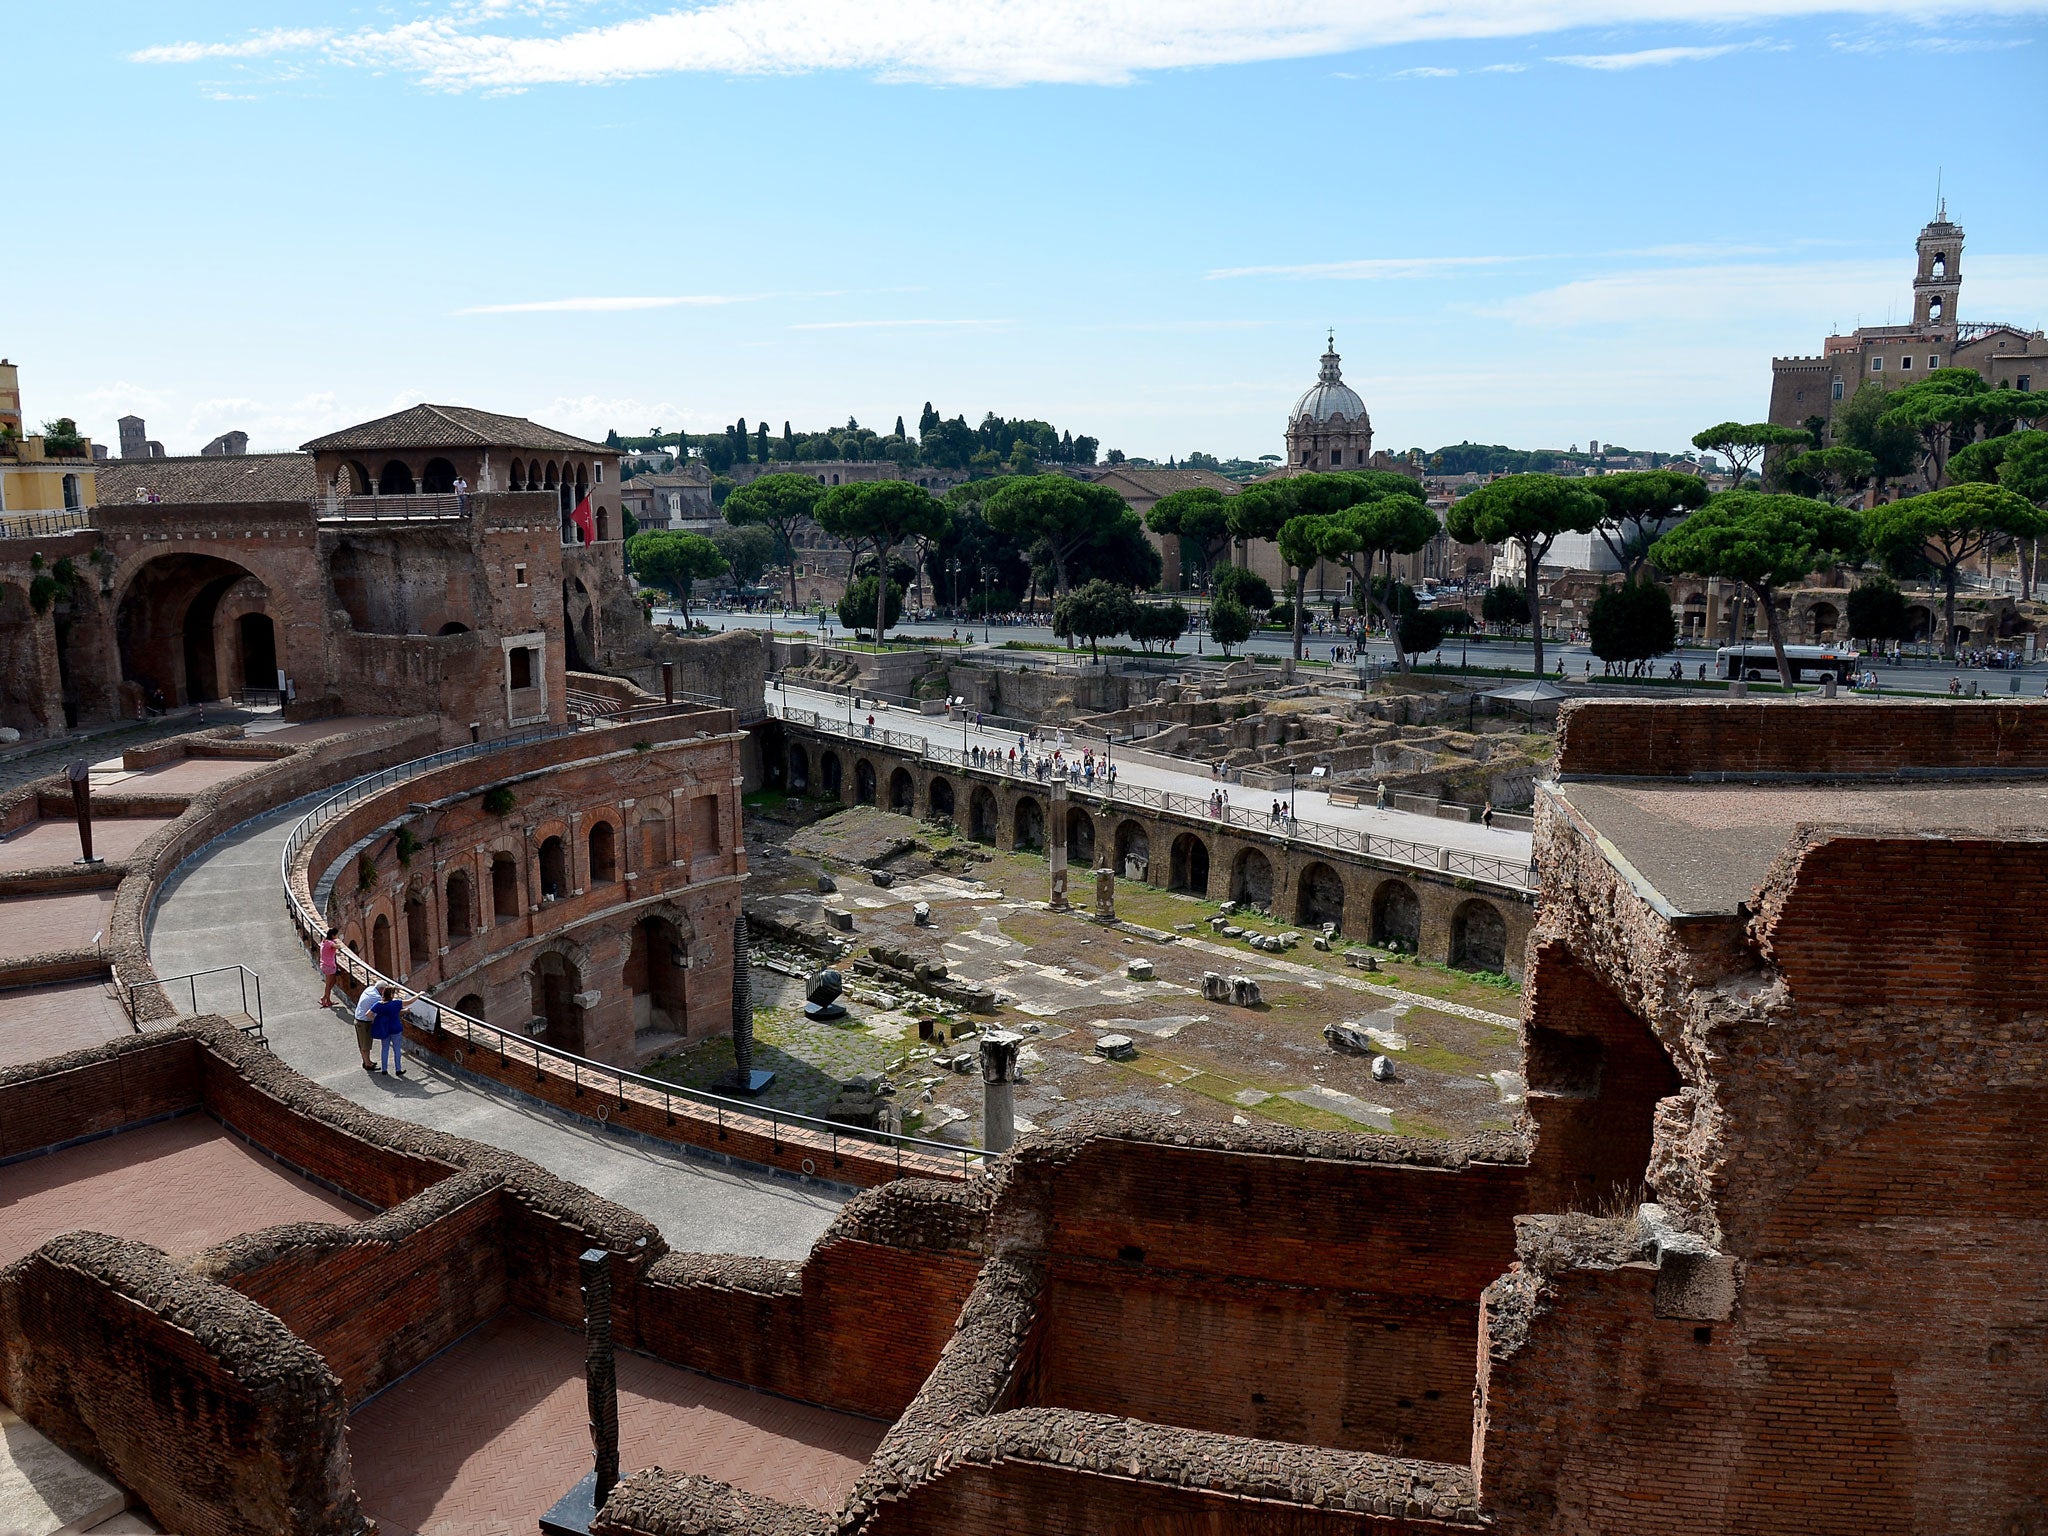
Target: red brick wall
380	1298
49	1103
1595	1073
1672	740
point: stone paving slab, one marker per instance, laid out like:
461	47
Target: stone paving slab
36	1022
49	843
182	1184
190	774
489	1434
46	1491
225	905
35	925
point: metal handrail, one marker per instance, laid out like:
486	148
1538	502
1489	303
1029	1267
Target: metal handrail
36	525
1431	856
192	980
438	507
313	927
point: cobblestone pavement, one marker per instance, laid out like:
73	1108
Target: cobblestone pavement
183	1185
485	1437
226	905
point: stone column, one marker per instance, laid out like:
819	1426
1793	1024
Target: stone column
999	1049
1056	844
600	1370
1105	895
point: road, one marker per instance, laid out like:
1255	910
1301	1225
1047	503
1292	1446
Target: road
1916	676
1310	805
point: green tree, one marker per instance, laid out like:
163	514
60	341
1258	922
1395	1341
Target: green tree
1742	444
1504	604
1838	475
1230	623
1942	410
1158	623
1640	505
1532	511
1862	423
2023	470
1949	527
1246	587
1764	542
1093	610
748	551
1200	517
861	606
1422	630
782	505
1632	622
1877	611
880	514
674	562
1064	513
62	439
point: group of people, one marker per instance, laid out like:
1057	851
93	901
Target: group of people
379	1011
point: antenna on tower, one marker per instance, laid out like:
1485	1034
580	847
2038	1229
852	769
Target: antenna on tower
1940	202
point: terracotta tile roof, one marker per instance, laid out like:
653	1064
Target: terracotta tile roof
220	477
1161	482
450	426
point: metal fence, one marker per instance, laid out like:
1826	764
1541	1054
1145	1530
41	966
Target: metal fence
509	1046
391	509
37	525
249	983
1485	868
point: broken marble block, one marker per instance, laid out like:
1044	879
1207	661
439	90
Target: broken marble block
822	996
921	914
1139	970
1116	1047
1245	992
827	885
884	879
843	921
1382	1070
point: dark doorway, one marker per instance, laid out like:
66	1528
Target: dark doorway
504	886
395	479
1319	897
1190	871
259	650
438	478
461	910
656	975
556	984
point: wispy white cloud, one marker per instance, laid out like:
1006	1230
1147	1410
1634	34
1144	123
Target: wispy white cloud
1648	57
1439	72
1377	268
992	42
259	45
887	325
600	304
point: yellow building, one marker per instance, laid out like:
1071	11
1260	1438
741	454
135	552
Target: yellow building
38	473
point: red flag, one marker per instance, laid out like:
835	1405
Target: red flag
585	523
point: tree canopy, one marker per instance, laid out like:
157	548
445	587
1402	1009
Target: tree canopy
1951	526
1839	475
1631	622
1062	512
674	562
1877	611
1743	443
780	504
862	606
1093	610
1230	623
1639	505
1199	517
880	514
1158	624
1763	541
1533	511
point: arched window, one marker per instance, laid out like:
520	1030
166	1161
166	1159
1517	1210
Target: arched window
604	854
604	525
504	886
1941	264
461	918
438	478
72	500
554	869
553	475
518	476
419	930
653	841
395	479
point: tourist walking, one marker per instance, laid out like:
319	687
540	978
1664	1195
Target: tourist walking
1486	816
330	965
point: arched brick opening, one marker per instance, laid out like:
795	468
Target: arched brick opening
1027	824
1080	837
1251	878
556	984
1188	865
604	854
395	479
438	478
1479	937
902	791
518	475
380	946
864	782
982	818
472	1004
1319	896
504	886
554	869
655	976
1396	916
799	770
20	662
256	640
460	907
419	930
830	774
166	631
653	831
1133	851
939	798
1595	1072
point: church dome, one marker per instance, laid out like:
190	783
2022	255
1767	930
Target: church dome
1330	398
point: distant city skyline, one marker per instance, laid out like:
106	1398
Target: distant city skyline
1536	228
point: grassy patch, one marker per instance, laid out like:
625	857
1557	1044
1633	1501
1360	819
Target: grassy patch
1408	1125
1307	1118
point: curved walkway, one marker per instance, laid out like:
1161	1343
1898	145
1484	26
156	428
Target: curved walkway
224	905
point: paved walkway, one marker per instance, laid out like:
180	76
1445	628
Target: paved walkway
485	1437
226	905
39	760
183	1185
1310	805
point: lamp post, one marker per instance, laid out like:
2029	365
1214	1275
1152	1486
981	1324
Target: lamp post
953	570
987	575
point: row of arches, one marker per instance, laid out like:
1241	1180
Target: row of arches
1478	937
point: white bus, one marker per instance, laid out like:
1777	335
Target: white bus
1810	663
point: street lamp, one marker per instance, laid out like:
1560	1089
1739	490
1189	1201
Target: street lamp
953	569
987	575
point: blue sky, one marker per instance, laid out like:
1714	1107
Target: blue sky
1533	221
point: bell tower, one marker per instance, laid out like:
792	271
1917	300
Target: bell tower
1939	276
